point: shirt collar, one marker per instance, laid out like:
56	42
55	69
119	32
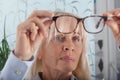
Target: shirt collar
72	78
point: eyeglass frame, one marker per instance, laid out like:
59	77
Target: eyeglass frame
78	20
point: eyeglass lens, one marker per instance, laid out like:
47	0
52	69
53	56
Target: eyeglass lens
94	24
66	24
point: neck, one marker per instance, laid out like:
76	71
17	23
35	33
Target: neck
52	74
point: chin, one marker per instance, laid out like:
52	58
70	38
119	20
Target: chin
67	69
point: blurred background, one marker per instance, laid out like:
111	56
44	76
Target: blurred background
103	51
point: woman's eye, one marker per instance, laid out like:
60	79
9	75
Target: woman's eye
60	38
75	38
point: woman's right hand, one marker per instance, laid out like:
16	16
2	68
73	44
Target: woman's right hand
30	33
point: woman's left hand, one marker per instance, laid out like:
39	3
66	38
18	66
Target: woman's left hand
114	23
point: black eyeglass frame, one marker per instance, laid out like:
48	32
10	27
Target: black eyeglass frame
78	20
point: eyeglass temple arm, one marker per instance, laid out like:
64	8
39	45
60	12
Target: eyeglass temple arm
97	25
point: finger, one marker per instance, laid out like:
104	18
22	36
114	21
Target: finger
44	19
117	13
34	32
107	14
48	23
114	12
40	25
114	27
116	18
41	13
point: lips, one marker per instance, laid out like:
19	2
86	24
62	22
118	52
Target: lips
67	58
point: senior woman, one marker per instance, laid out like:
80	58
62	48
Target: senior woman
60	42
62	55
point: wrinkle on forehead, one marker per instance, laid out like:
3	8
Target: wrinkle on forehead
66	24
64	13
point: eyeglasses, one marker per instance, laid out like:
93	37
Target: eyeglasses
92	24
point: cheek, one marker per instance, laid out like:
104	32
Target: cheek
78	46
52	51
51	55
79	51
56	47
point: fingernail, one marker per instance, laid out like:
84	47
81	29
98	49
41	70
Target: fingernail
118	14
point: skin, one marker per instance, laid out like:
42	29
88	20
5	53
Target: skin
30	33
61	56
33	30
54	66
114	23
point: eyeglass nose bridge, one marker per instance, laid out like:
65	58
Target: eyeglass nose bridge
79	19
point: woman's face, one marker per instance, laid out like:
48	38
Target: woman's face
63	51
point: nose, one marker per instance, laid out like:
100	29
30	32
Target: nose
67	48
68	45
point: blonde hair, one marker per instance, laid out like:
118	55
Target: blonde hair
82	70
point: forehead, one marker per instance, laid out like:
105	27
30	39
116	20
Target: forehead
65	22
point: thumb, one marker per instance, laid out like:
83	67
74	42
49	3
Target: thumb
113	26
